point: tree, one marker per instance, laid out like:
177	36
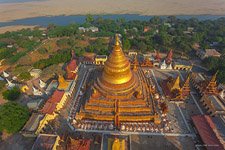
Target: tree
126	44
221	76
12	94
89	19
12	117
211	63
25	76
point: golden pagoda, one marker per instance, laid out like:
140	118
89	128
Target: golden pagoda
119	94
117	78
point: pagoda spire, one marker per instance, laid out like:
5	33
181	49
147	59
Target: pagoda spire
212	86
42	84
213	79
157	56
186	86
174	84
36	92
169	57
117	67
6	75
135	68
10	84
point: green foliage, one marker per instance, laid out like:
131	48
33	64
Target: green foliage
13	117
61	57
11	94
3	44
211	63
216	64
79	51
2	85
89	19
25	76
62	43
27	44
42	50
221	76
60	31
126	44
6	53
98	46
16	57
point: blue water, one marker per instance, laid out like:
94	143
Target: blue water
65	20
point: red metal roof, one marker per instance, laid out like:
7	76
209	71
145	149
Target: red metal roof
48	108
71	67
51	103
56	97
206	127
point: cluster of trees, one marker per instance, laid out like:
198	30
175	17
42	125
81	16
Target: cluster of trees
216	64
164	33
60	57
2	84
25	76
12	117
99	46
11	94
22	41
61	31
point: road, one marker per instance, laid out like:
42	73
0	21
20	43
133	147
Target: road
196	103
159	88
136	133
184	119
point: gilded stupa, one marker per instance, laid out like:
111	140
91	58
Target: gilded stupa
119	94
117	78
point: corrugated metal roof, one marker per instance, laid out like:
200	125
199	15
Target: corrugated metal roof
48	108
33	122
205	127
56	97
44	142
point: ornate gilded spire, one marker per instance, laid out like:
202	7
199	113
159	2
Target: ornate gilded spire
213	79
117	40
174	84
117	67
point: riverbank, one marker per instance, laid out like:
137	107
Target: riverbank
14	28
14	11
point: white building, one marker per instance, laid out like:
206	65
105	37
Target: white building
164	66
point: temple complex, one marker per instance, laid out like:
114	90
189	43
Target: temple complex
174	89
119	94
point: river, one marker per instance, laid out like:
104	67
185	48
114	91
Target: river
65	20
